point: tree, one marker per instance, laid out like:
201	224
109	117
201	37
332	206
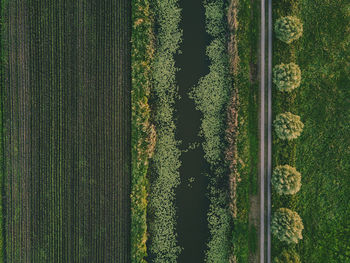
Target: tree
286	180
288	126
287	226
288	29
288	256
287	77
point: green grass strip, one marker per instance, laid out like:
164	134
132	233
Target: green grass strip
142	130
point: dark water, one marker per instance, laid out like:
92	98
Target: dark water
192	203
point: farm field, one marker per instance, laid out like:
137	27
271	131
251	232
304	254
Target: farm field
66	104
321	154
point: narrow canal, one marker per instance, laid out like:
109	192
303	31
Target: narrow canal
191	194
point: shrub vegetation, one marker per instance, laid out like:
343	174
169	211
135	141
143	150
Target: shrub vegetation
286	180
288	29
165	176
287	77
287	256
288	126
287	226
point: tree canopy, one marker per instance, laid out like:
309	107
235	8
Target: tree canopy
286	180
287	226
288	126
288	29
288	256
287	77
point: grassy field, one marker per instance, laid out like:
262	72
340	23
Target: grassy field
67	131
322	152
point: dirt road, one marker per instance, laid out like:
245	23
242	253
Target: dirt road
263	155
262	133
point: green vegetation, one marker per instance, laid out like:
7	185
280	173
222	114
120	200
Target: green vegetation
211	97
322	154
220	223
287	77
288	29
286	180
215	18
212	93
287	256
242	124
165	165
143	133
288	126
287	226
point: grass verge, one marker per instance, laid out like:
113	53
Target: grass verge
143	132
246	85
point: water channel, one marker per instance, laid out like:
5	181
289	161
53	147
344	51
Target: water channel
192	203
